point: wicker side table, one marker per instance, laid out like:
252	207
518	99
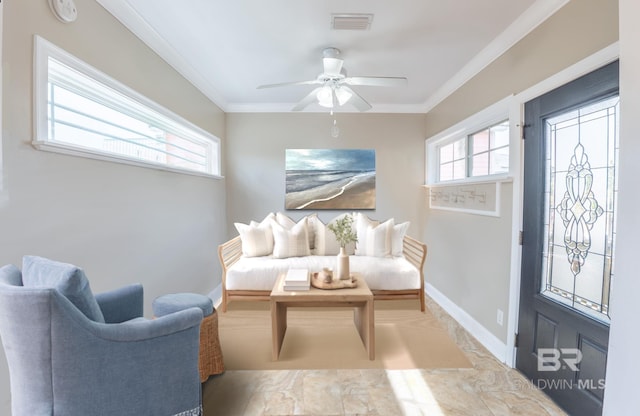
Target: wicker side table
210	359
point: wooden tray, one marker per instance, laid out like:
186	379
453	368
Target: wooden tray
317	280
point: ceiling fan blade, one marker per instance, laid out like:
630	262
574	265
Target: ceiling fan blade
284	84
309	99
358	102
377	81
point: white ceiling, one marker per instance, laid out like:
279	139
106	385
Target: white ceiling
228	48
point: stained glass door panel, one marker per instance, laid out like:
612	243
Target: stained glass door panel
580	195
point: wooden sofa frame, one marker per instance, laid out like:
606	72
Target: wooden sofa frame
231	251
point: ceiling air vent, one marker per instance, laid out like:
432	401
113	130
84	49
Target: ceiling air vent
351	21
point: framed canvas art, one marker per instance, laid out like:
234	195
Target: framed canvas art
330	179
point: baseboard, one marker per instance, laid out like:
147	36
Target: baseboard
478	331
216	296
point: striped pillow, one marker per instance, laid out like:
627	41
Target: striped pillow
375	240
293	242
288	223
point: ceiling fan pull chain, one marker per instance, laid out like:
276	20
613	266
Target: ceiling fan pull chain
335	131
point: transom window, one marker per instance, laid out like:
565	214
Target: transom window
483	153
453	163
83	112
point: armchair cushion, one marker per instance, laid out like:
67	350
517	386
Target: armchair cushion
67	279
121	304
11	275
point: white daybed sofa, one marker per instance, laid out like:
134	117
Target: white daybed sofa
249	272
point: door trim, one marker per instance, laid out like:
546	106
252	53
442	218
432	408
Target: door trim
516	112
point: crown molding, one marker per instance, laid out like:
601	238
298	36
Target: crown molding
286	108
130	18
537	13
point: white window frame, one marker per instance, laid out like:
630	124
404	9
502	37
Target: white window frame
454	159
489	151
441	193
170	121
490	116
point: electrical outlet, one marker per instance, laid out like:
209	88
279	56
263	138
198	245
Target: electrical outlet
500	317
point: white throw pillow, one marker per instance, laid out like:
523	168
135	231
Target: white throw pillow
361	223
257	239
292	242
397	239
288	223
376	240
325	240
311	228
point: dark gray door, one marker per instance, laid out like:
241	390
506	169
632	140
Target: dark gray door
570	190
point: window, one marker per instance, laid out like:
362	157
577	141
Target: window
477	149
452	160
81	111
485	152
489	150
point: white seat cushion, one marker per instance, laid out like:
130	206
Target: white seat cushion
381	273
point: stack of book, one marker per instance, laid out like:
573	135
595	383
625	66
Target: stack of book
297	279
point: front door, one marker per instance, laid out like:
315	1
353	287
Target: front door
570	190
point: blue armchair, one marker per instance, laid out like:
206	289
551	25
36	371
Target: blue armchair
71	353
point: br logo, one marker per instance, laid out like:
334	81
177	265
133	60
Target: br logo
553	359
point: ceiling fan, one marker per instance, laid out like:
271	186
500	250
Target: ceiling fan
334	90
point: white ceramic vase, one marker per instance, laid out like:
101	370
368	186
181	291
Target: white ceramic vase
342	268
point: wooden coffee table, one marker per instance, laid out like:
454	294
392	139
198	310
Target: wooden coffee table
359	298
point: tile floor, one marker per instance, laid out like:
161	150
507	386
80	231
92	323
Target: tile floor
489	388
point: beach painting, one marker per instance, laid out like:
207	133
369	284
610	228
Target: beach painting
330	179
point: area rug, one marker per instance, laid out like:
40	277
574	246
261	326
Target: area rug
326	338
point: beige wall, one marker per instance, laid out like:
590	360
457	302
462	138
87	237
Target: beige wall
255	155
470	256
123	224
577	30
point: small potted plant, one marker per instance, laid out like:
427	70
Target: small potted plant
342	228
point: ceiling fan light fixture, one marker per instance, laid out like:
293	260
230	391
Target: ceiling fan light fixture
342	95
